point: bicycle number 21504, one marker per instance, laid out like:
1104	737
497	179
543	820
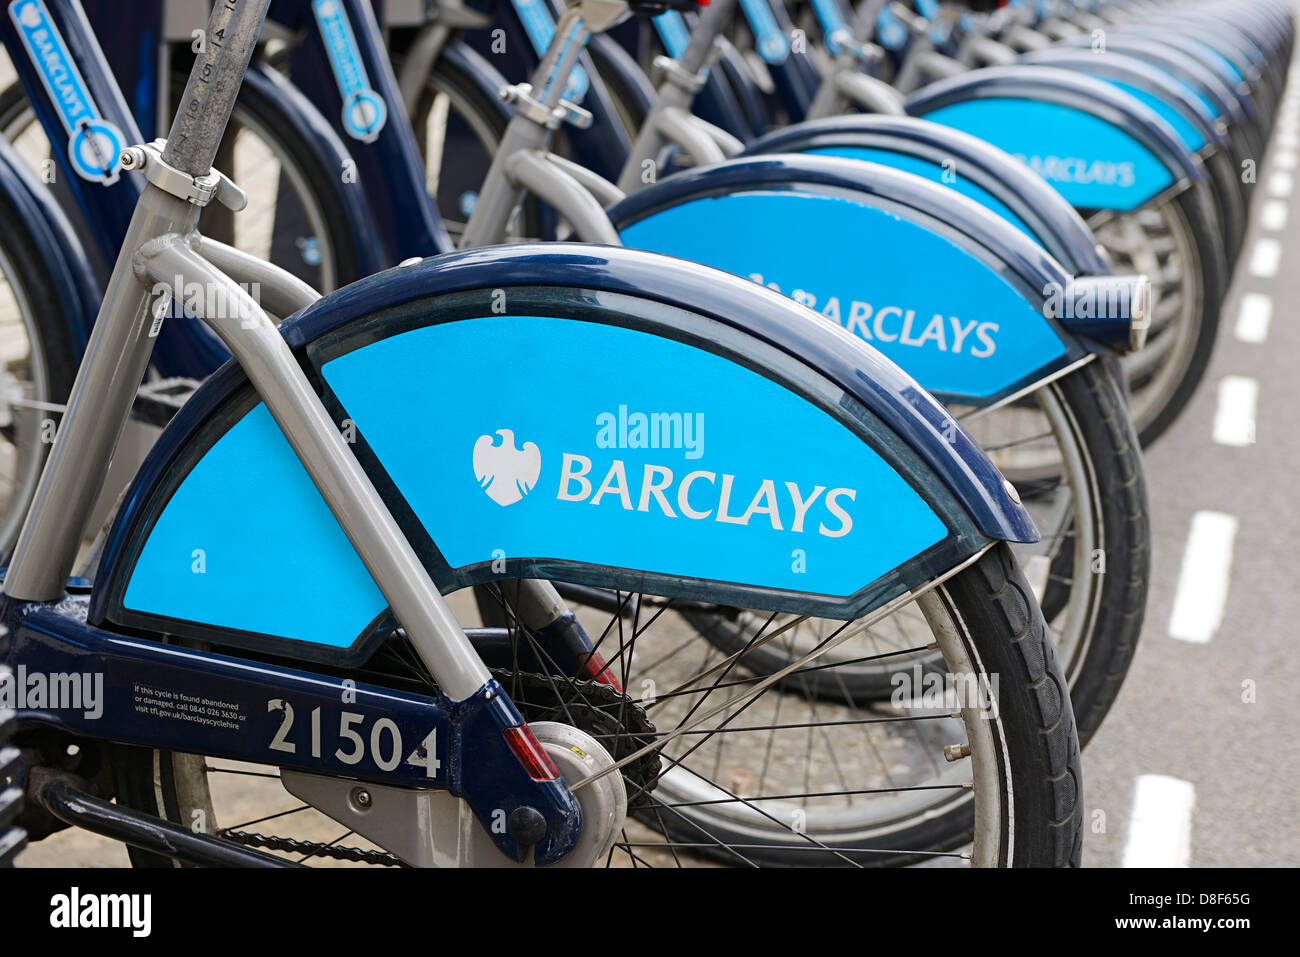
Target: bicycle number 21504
354	741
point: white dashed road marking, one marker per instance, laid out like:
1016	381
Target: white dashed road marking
1203	580
1265	258
1234	419
1160	831
1253	317
1272	216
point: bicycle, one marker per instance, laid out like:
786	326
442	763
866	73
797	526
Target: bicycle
471	755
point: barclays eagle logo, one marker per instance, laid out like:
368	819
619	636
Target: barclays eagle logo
506	473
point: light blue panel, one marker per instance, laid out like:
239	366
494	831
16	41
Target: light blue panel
934	173
940	313
772	45
247	542
1185	128
539	24
364	110
1092	163
476	432
1221	64
671	27
831	19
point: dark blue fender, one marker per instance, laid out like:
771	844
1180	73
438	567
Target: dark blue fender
1177	105
428	364
49	234
1100	147
1190	117
969	165
883	254
1225	69
1205	84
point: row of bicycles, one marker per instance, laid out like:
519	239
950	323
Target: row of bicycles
618	433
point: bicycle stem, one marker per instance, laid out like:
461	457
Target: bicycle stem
670	119
500	197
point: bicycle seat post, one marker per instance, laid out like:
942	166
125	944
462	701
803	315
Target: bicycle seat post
214	83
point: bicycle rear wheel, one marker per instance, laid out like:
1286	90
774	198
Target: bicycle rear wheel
742	772
37	367
1070	450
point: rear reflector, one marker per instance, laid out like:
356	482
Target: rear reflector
530	753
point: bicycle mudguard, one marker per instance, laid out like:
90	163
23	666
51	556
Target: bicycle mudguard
51	236
950	291
1173	102
719	443
972	167
1204	83
1100	148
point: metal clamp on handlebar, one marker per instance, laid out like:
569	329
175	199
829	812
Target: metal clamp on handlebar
520	95
199	190
671	70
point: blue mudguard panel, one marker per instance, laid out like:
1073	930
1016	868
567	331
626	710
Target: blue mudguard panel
686	454
1170	99
210	557
1100	147
934	172
672	460
936	310
938	302
972	167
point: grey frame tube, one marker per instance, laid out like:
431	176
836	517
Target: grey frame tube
261	351
122	341
500	195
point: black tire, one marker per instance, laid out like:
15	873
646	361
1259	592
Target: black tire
1093	405
1030	755
1008	636
1108	432
1191	212
27	284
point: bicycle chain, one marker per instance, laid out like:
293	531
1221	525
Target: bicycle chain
586	712
313	848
